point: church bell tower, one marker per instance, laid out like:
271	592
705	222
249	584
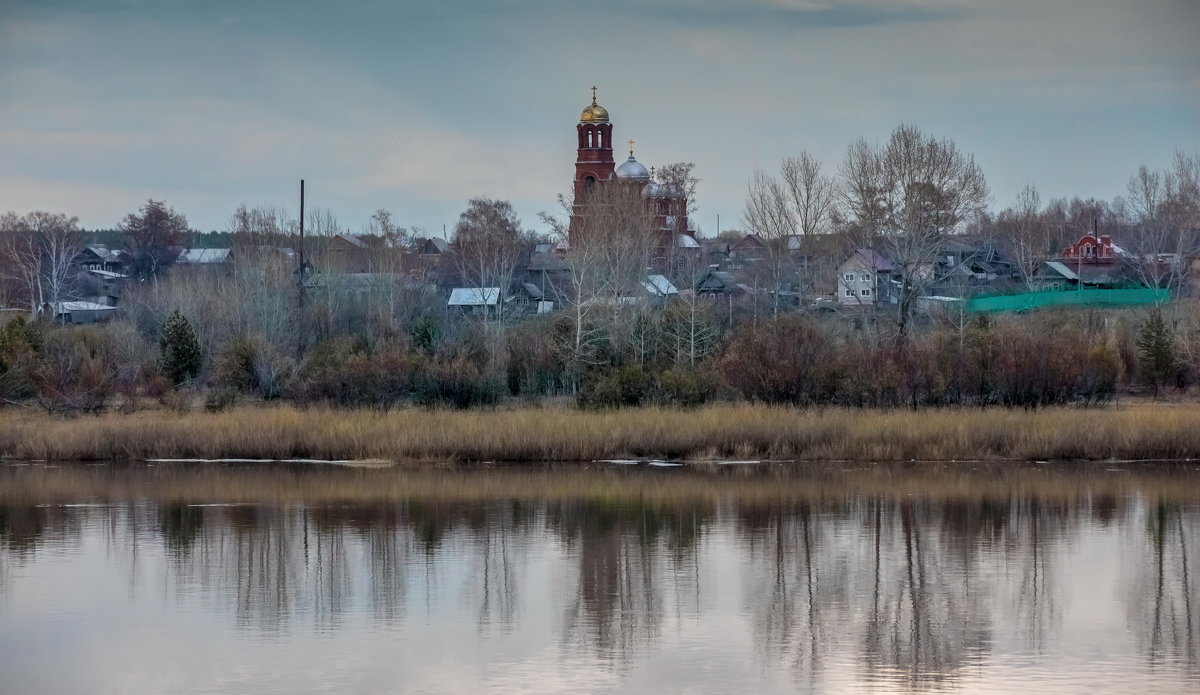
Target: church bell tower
594	161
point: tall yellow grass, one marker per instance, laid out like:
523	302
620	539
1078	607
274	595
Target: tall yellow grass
749	487
1145	431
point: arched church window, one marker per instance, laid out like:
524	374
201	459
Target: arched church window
590	182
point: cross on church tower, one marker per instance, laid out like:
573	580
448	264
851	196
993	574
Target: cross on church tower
593	95
630	143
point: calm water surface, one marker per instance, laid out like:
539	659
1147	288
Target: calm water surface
782	578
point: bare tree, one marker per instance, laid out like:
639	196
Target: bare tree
811	194
487	245
1027	234
606	256
39	250
909	195
783	212
1165	208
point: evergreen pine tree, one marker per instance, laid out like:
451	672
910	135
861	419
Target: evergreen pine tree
1157	362
180	349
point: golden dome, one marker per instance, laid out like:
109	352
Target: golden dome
594	113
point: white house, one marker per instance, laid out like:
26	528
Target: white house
864	279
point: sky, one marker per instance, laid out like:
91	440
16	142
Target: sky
415	107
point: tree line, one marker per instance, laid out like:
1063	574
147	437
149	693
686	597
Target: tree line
366	323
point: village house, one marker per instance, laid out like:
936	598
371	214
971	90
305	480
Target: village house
474	300
865	279
1093	262
100	257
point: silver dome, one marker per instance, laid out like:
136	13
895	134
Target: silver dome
632	170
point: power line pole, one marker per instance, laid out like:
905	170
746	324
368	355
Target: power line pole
300	322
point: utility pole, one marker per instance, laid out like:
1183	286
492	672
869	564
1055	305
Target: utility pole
300	322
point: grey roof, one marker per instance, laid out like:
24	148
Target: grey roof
474	296
352	240
435	245
684	241
1062	270
659	286
68	307
547	262
873	260
723	280
104	253
532	290
202	256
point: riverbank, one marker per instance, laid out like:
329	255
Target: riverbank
1142	431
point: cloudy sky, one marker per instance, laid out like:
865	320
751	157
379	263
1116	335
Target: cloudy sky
417	106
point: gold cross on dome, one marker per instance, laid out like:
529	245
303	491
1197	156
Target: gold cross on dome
630	143
593	94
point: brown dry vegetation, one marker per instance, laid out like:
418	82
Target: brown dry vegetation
763	485
1144	431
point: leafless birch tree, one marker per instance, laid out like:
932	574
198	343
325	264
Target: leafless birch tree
37	251
606	255
1165	208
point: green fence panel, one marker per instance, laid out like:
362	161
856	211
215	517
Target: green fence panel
1029	301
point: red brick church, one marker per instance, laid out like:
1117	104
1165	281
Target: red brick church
594	166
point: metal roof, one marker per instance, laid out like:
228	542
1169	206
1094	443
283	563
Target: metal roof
67	307
1062	270
200	256
659	285
474	296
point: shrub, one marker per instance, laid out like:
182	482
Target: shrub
345	373
787	360
687	387
77	371
628	385
20	345
235	366
459	380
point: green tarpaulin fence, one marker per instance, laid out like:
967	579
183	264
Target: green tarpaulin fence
1039	300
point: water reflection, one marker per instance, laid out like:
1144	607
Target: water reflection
835	579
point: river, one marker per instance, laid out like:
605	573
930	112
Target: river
767	578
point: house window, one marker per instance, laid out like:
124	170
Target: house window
849	277
865	293
849	293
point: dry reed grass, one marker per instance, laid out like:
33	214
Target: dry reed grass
1143	431
747	486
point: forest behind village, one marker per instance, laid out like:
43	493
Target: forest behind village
602	312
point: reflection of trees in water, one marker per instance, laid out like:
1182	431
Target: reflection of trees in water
1162	590
279	563
797	590
929	613
625	551
493	579
1035	540
907	584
